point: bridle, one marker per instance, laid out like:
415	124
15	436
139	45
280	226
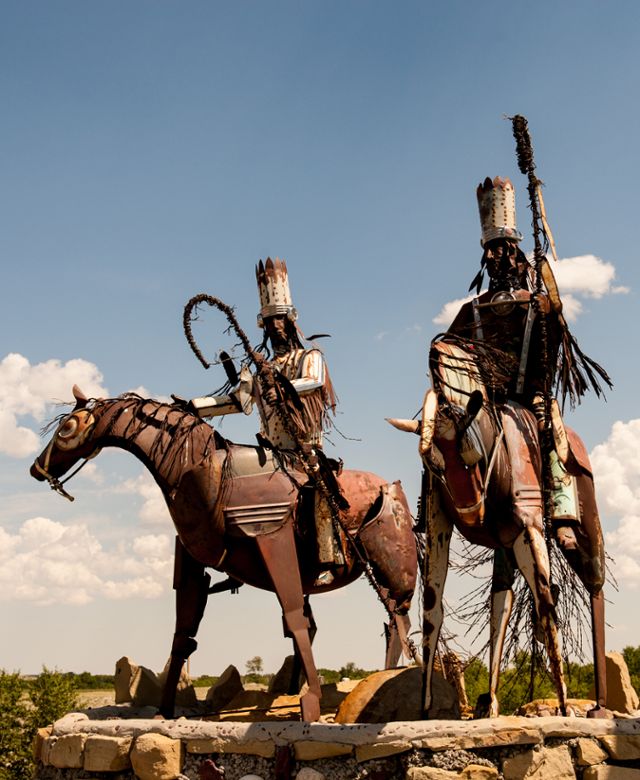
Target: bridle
54	483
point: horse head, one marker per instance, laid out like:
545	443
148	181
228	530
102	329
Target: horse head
72	441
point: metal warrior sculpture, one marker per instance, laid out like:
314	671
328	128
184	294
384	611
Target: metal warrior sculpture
500	465
251	511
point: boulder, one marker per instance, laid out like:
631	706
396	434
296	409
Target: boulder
147	686
281	681
540	764
621	695
106	754
396	694
225	689
123	680
156	757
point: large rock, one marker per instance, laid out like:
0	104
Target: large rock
621	695
543	708
540	764
622	747
396	694
106	754
66	751
147	688
281	681
123	680
156	757
225	689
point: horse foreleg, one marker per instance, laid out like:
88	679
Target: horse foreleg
599	665
533	561
434	573
501	605
278	551
191	585
296	668
396	633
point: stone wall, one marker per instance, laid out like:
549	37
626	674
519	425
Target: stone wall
512	748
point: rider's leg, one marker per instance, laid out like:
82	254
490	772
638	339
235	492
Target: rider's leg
278	551
530	550
530	547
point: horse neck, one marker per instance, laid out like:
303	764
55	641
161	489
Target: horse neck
167	440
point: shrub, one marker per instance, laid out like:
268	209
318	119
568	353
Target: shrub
25	706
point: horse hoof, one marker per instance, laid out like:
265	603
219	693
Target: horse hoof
597	712
310	707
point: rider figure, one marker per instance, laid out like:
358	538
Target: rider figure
509	317
307	373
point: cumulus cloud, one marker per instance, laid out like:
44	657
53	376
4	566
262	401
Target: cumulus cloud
46	562
587	275
447	313
30	390
615	465
584	276
154	510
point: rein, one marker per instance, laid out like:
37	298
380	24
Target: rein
54	483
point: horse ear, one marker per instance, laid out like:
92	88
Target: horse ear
81	398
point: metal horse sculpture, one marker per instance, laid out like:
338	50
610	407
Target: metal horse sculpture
233	512
471	468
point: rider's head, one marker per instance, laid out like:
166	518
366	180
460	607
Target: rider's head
277	313
505	263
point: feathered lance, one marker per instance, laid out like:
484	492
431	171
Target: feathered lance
526	164
576	372
272	383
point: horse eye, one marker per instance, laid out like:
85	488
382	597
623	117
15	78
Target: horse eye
69	428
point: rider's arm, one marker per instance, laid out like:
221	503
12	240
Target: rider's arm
239	400
214	405
312	373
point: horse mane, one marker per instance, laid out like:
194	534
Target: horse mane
150	412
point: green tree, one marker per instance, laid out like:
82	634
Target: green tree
254	665
476	680
25	707
631	656
352	671
15	736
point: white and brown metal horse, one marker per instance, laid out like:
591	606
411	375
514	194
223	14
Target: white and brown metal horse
235	512
484	477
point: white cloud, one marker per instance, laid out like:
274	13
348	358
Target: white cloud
30	390
615	466
447	313
584	276
154	509
46	562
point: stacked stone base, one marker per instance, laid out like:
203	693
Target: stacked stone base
512	748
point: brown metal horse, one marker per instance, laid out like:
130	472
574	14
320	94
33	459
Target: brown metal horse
483	477
234	512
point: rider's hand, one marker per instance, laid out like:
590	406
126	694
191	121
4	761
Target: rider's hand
541	302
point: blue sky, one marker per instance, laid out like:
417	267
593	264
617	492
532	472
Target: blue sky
151	151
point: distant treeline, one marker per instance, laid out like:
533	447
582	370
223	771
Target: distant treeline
519	683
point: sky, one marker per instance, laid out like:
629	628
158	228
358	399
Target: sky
152	151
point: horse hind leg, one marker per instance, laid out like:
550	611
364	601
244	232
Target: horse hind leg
588	561
501	606
396	634
533	561
280	558
191	584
